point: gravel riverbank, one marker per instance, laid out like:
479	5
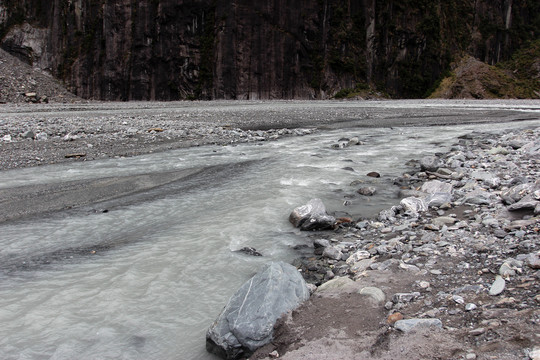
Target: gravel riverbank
37	134
451	272
468	225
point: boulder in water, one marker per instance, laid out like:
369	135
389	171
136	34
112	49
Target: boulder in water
312	216
247	321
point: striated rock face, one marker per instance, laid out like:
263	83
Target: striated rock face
177	49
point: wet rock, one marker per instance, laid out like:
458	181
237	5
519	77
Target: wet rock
367	191
498	286
249	251
373	174
311	216
413	324
246	323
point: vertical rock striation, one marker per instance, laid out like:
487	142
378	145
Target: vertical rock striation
207	49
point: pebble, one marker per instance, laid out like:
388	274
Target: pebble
498	286
477	331
470	307
394	317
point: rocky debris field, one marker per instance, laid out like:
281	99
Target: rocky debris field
20	83
33	140
451	272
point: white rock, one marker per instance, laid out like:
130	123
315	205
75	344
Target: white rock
498	286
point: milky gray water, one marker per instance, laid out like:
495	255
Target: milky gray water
146	279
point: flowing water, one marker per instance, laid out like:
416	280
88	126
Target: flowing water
147	278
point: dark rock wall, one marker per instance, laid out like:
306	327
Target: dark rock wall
209	49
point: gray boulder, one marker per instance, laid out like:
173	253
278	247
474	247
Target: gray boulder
414	205
486	178
516	193
247	321
527	203
312	216
430	163
438	199
436	186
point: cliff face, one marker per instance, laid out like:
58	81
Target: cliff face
177	49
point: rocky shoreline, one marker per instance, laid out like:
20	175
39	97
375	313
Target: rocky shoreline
450	272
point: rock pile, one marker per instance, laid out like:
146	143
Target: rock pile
22	84
467	230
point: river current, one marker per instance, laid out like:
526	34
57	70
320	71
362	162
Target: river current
145	279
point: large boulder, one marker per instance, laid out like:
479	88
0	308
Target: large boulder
247	321
312	216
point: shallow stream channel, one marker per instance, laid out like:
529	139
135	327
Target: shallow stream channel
143	275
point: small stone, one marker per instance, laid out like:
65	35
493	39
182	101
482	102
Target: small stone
321	243
42	136
6	138
357	256
332	252
28	134
470	307
458	299
274	354
405	297
477	331
411	324
498	286
393	318
470	356
533	260
367	191
374	174
424	284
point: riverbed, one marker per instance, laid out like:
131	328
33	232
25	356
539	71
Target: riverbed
141	272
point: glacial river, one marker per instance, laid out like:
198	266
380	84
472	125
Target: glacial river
145	279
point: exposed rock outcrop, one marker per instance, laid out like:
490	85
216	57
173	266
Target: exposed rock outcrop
124	50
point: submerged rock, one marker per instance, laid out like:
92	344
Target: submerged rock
247	322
